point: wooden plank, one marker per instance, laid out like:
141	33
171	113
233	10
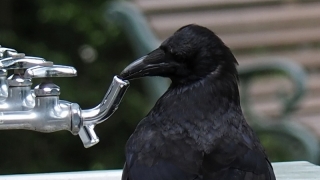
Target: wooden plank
266	87
297	170
310	121
308	58
239	20
264	99
308	106
273	38
149	6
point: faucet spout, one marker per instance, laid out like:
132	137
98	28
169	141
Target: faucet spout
101	112
108	105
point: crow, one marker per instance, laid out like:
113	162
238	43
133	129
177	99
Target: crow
196	130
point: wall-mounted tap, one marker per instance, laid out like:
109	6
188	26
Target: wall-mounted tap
48	114
41	109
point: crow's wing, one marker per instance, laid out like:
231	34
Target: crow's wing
152	156
251	166
237	158
161	170
236	155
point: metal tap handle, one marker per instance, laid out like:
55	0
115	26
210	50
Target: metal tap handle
23	62
50	71
8	52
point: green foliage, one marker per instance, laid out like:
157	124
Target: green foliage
60	31
278	151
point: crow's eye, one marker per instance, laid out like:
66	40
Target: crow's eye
172	55
177	57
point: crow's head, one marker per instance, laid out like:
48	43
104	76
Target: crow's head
191	53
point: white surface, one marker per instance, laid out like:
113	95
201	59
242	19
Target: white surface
299	170
83	175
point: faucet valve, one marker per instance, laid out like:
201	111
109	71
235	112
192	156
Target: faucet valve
47	89
19	64
15	92
50	71
23	62
8	52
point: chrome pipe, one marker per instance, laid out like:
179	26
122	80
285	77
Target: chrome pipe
108	105
48	115
101	112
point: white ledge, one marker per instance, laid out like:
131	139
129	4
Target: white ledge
298	170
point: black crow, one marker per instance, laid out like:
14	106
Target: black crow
196	130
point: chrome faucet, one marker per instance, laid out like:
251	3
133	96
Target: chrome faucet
41	109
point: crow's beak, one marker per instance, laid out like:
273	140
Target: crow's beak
154	64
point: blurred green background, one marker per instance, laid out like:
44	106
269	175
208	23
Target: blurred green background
74	33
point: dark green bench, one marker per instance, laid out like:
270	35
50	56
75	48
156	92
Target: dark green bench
274	130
